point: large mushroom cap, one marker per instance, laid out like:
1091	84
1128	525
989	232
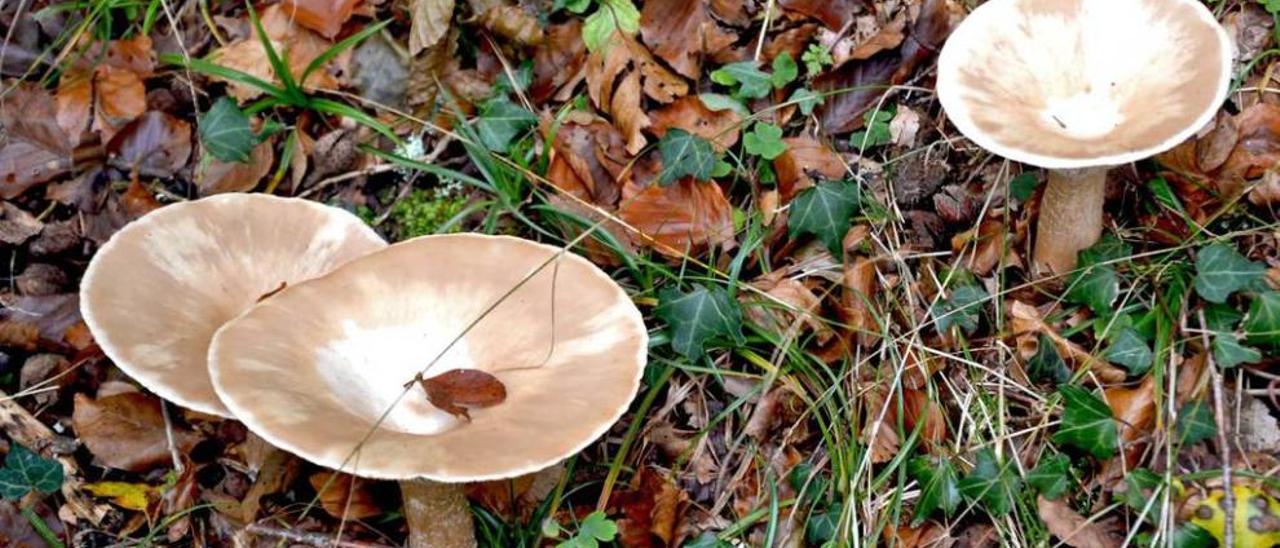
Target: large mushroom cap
157	291
314	368
1084	83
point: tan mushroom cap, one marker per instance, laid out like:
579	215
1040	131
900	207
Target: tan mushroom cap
1084	83
154	295
312	369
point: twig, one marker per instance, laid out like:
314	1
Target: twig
313	539
168	437
1228	494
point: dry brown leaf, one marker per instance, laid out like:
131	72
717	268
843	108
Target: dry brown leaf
455	391
918	411
137	200
859	299
682	32
1134	409
127	431
218	176
1072	528
993	246
296	44
1213	149
880	435
594	154
155	144
514	24
1258	148
74	104
37	148
519	496
651	510
430	22
616	78
17	225
136	55
692	115
17	532
1026	319
344	496
119	97
805	159
835	14
788	305
19	335
926	536
681	218
323	16
558	61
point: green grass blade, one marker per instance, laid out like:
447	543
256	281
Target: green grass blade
210	68
339	47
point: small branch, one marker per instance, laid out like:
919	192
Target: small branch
311	539
1219	409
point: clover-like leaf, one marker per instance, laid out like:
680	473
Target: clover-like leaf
825	211
876	130
1221	271
764	140
784	70
1087	423
752	82
991	482
25	471
685	155
806	100
698	317
225	132
1052	477
939	488
1128	349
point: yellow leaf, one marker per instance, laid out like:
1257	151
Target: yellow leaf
130	496
1257	517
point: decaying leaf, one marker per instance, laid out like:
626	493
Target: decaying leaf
217	176
513	23
37	148
323	16
519	496
721	127
805	161
130	496
127	431
344	496
620	77
455	391
682	32
431	19
558	61
651	508
788	305
119	97
835	14
1072	528
1026	319
677	219
295	44
156	144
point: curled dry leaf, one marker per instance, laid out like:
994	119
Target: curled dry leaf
297	45
835	14
682	32
1026	319
37	148
323	16
651	510
430	22
805	160
685	217
155	144
1134	409
859	299
1258	147
127	431
514	24
787	305
558	60
620	76
17	225
119	97
344	496
689	113
1072	528
455	391
592	158
217	176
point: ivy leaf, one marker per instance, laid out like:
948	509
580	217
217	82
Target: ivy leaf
685	155
1221	271
825	211
1087	423
1128	349
1190	535
1096	287
994	484
1262	324
707	540
1023	186
1047	364
752	82
1052	477
876	133
764	140
939	488
1196	423
1228	351
500	122
25	471
1108	249
962	309
700	316
1221	318
784	70
225	132
822	527
612	15
806	100
1139	486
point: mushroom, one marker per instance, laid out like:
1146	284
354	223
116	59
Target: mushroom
157	291
1077	87
321	369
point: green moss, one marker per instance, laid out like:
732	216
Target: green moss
425	212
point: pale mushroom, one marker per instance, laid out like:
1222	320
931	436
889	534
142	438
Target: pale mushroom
1077	87
320	369
154	295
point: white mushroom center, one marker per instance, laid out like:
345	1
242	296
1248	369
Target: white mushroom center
366	369
1091	113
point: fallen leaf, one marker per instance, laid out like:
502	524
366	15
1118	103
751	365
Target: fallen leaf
136	55
721	127
74	105
130	496
685	217
127	431
1213	149
558	60
15	530
37	149
430	22
859	299
651	509
138	201
217	176
1258	147
1134	409
514	24
454	391
616	78
805	161
682	32
295	44
51	314
787	305
880	435
156	144
926	536
1026	319
344	496
591	156
519	496
835	14
119	97
918	411
323	16
17	225
1072	528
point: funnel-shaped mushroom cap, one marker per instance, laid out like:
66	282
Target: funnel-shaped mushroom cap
312	369
154	295
1084	83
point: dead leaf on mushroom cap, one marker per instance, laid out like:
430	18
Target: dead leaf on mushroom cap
455	391
689	113
620	76
127	431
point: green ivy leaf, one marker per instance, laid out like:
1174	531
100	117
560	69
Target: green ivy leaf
718	102
1221	271
1139	487
825	211
1047	364
25	471
1087	423
698	317
752	82
823	526
806	100
1221	318
707	540
501	121
1052	477
1196	423
613	15
992	483
225	132
685	155
764	140
939	489
784	70
1262	324
963	309
1128	349
1023	186
1109	249
1190	535
1095	287
1229	352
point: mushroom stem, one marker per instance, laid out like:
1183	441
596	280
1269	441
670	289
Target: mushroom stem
1070	218
438	515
